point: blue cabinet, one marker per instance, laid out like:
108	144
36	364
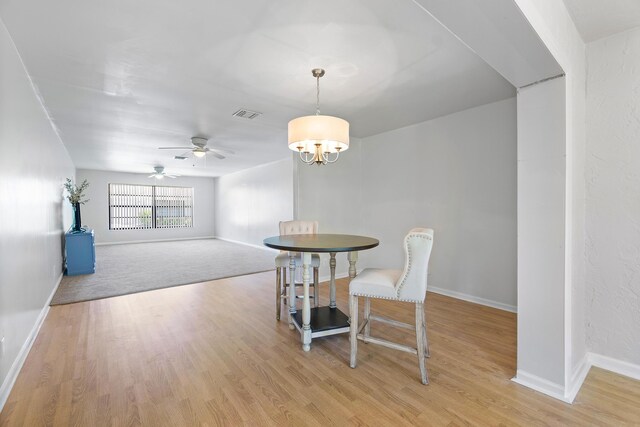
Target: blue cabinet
81	253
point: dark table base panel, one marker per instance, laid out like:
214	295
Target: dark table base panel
324	319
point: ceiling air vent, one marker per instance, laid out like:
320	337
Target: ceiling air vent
179	157
246	114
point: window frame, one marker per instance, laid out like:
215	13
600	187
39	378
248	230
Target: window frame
153	205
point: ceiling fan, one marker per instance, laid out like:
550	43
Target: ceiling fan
160	173
199	148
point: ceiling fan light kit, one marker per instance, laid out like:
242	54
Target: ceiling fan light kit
160	173
318	139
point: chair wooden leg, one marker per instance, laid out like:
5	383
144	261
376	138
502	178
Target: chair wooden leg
424	334
285	288
316	280
278	292
367	314
353	328
284	293
421	345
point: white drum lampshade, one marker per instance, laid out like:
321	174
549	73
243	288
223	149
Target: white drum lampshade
332	133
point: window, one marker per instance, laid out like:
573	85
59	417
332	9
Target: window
149	206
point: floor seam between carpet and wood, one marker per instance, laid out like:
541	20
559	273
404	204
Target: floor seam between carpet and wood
140	267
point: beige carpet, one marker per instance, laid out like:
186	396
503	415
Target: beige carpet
139	267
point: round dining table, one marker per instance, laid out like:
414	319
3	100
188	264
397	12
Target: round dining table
319	321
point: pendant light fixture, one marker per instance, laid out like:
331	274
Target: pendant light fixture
319	139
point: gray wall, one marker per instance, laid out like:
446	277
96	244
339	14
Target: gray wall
33	167
456	174
95	213
250	203
331	195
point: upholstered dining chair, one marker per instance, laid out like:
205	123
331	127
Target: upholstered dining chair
282	262
409	285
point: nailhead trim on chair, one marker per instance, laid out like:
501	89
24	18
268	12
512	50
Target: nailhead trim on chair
421	236
389	298
396	298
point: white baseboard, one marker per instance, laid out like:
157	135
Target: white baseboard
621	367
12	375
126	242
327	277
472	298
540	384
577	379
275	251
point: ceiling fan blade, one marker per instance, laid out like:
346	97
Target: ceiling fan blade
151	176
218	155
174	148
223	150
170	176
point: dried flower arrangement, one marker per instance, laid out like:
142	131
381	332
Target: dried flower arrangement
76	193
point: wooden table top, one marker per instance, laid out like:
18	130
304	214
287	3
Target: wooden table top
321	242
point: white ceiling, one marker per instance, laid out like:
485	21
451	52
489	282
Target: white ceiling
122	78
596	19
499	33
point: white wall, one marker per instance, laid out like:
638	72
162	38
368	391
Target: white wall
33	167
250	203
613	197
552	22
541	235
456	174
95	213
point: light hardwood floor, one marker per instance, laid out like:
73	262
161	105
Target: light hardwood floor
213	354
